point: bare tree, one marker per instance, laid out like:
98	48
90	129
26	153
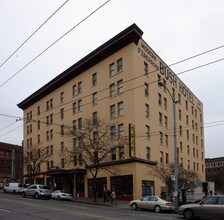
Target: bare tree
186	178
93	145
33	157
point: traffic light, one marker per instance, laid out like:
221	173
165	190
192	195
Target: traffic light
205	187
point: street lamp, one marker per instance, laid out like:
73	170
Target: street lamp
175	101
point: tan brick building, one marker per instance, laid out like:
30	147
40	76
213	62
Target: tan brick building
117	81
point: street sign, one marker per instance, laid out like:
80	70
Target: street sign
173	177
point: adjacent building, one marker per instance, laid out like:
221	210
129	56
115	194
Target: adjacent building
11	162
214	170
117	81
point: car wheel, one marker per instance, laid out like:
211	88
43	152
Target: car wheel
58	198
157	208
36	196
188	214
24	195
134	206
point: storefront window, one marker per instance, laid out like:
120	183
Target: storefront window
148	188
123	185
100	186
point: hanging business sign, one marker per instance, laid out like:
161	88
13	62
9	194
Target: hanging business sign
131	140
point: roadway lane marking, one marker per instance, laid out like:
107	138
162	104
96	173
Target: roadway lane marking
4	210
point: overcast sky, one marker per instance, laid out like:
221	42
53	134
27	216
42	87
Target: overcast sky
175	29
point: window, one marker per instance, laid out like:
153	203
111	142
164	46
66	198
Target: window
113	132
51	134
167	158
147	131
62	97
74	90
74	123
165	103
186	104
180	128
148	153
62	163
161	157
62	113
52	163
119	65
95	137
38	125
74	107
187	134
187	119
47	122
146	110
188	150
51	103
112	111
112	90
51	150
80	87
112	69
94	98
120	109
94	79
47	136
80	123
121	152
180	115
113	154
166	140
121	130
47	107
160	118
51	118
159	99
38	139
179	98
95	118
80	105
146	89
145	68
161	138
166	121
120	88
62	147
38	110
62	130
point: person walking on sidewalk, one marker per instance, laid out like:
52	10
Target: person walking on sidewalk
113	198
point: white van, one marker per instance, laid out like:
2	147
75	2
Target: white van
14	188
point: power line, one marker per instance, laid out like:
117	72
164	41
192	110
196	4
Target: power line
19	118
54	43
33	33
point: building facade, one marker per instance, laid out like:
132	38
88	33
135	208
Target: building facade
214	172
117	81
11	162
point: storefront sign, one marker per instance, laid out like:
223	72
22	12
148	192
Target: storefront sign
131	140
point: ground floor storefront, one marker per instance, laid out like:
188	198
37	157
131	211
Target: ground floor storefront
131	181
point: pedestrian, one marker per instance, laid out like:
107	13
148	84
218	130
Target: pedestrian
108	195
113	198
105	196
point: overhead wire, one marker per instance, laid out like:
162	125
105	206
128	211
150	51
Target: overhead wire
54	43
34	33
125	90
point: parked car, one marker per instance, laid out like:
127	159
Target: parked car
58	194
152	202
14	187
209	208
37	191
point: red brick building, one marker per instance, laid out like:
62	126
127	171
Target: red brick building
215	172
11	162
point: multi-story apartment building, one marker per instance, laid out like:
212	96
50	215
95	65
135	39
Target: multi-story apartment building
11	162
118	81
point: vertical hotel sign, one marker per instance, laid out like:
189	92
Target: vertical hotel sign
131	140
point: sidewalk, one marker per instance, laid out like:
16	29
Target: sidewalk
120	203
